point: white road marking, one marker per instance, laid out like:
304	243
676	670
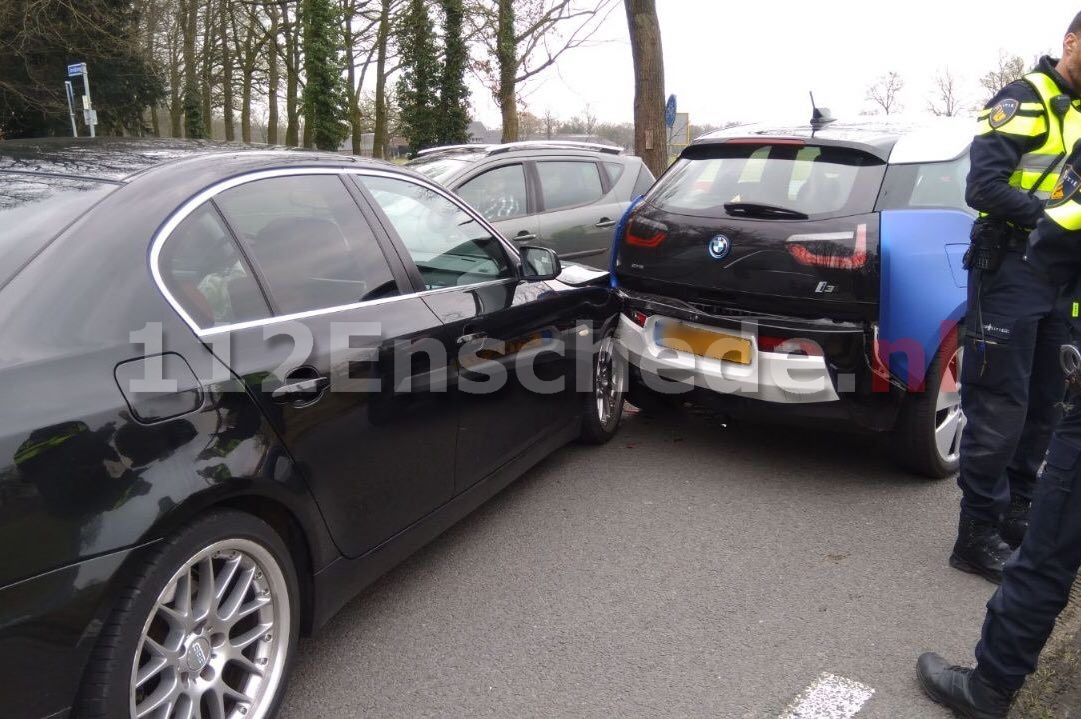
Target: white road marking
830	697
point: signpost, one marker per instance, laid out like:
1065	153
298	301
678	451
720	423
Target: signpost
71	106
678	127
90	115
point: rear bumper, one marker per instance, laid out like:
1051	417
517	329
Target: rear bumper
769	377
838	382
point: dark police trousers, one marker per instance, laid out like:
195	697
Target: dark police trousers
1037	579
1011	385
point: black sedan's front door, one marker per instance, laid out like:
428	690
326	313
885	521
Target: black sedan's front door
511	342
322	364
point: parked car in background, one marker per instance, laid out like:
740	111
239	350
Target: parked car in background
567	196
811	270
238	387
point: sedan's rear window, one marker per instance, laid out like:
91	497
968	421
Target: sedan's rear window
816	181
36	208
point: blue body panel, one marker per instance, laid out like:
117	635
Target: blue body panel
923	284
621	227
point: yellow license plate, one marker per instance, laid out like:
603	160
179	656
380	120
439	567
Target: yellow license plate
706	343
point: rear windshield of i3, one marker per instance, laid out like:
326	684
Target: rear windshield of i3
803	180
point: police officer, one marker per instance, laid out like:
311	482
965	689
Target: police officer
1011	384
1036	581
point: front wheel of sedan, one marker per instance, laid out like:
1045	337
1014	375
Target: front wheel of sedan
207	628
604	405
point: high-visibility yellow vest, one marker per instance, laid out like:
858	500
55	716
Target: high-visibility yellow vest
1064	206
1032	119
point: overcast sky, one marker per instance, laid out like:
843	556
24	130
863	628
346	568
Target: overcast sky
747	60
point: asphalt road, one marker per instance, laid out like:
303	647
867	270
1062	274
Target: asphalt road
686	569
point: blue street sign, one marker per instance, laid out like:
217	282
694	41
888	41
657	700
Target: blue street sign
77	69
670	111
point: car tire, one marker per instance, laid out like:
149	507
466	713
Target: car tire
604	403
176	636
927	437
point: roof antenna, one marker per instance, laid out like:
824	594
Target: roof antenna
820	116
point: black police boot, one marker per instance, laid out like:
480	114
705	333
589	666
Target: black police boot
979	549
1014	523
962	689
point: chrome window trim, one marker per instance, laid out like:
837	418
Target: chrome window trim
182	213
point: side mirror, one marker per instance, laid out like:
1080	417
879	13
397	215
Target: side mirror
539	263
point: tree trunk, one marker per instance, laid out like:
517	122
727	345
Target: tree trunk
273	78
381	139
176	110
245	106
306	22
292	78
226	74
193	122
208	68
650	138
507	57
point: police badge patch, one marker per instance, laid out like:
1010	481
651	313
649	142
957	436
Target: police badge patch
1003	112
1066	188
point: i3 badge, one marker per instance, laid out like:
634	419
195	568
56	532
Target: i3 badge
719	247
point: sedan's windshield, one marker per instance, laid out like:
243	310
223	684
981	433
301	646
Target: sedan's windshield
35	208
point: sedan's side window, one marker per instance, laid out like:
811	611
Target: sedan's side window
207	275
449	247
569	183
497	194
309	240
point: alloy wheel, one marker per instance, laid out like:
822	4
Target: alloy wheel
608	381
949	420
215	643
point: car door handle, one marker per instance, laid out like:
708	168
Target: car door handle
604	223
472	337
301	390
524	236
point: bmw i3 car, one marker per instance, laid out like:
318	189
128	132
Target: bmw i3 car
240	385
810	271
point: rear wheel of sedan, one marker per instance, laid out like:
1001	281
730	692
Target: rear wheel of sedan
206	628
604	405
927	439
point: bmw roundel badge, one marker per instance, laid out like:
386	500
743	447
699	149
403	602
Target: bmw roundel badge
719	247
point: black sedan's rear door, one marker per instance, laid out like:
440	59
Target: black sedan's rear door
320	354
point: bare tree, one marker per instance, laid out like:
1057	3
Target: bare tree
1009	68
945	103
885	90
529	125
525	37
360	25
383	58
589	120
650	139
551	122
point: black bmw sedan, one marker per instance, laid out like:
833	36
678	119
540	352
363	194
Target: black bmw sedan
237	386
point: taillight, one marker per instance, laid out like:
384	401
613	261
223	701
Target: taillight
638	318
643	232
827	249
808	348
